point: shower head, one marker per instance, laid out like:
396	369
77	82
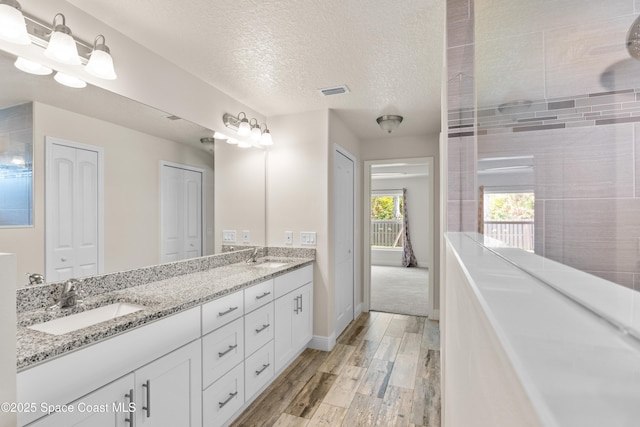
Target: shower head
633	39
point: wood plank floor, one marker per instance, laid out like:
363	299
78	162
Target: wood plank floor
383	371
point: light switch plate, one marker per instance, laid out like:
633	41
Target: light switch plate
229	236
245	236
308	238
288	237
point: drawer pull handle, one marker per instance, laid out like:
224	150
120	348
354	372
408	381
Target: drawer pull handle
222	313
263	295
147	408
259	371
231	396
297	309
130	420
263	328
231	347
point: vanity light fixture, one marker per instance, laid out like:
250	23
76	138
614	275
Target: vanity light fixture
244	128
232	141
266	136
12	25
244	144
32	67
256	133
100	62
259	134
62	46
389	123
69	81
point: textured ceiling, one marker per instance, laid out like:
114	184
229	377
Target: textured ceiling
274	55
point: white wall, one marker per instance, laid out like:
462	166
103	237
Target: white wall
7	336
409	147
132	188
418	212
297	194
240	193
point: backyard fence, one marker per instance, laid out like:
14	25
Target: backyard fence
518	234
386	233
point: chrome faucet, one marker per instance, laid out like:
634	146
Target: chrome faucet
35	278
70	295
253	256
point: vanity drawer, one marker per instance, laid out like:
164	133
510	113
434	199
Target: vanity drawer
222	349
258	328
258	369
223	398
222	311
290	281
258	295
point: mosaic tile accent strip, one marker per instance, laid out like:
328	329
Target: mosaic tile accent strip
40	296
593	109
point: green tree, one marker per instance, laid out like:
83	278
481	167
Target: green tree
509	207
383	207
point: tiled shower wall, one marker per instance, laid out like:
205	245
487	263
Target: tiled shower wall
559	88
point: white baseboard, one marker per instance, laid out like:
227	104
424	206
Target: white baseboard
322	343
435	314
357	311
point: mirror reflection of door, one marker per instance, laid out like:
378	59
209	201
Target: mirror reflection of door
73	199
181	212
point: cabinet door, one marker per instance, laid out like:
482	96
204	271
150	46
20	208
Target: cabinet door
108	406
303	317
283	338
168	390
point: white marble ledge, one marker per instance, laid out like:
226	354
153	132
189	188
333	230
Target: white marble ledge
577	369
160	299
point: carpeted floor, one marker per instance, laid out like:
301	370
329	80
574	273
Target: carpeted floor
399	290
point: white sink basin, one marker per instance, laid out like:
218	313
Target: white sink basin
63	325
271	264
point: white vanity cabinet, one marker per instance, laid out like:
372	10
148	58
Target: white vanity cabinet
109	406
293	315
168	390
163	393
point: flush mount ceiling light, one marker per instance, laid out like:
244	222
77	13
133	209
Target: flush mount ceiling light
62	46
389	123
100	62
12	25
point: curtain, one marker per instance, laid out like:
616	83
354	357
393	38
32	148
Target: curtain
408	258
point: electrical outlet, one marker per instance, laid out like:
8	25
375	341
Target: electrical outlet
308	238
245	236
288	237
229	236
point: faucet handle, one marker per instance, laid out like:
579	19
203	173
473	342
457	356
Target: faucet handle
35	278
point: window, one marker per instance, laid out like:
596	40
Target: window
509	217
386	219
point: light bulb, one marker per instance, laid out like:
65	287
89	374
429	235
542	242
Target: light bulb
244	144
232	141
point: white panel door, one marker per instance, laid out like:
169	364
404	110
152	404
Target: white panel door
181	215
171	214
192	184
343	238
73	200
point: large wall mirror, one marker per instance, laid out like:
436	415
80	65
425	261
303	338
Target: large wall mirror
135	141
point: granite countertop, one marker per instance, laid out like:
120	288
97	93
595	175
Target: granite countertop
160	299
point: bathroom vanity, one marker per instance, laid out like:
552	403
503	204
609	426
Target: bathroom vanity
200	349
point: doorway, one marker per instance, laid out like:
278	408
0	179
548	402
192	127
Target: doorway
399	210
74	213
181	219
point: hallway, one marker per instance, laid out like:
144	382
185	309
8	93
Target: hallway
384	371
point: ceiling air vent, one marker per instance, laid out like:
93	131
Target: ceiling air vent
336	90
